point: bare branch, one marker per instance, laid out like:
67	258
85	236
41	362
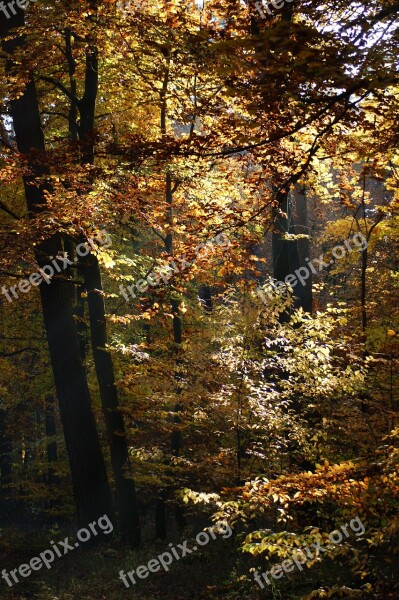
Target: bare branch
9	211
62	88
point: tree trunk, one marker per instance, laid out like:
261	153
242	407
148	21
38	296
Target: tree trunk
125	488
5	465
90	484
160	517
92	492
205	295
52	452
176	437
289	256
128	511
300	226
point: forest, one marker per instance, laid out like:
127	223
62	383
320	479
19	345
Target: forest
199	275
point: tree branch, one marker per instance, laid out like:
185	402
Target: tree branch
9	211
364	83
62	88
5	354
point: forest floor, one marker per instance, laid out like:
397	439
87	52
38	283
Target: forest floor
93	573
216	571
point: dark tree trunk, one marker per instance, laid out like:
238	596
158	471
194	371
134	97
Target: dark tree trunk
281	250
176	441
52	454
92	493
363	295
127	504
5	460
90	484
6	448
300	226
78	298
125	488
176	437
205	295
289	256
51	431
160	518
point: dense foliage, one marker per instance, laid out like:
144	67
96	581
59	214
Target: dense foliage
172	160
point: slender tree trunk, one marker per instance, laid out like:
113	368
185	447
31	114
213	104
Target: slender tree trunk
128	511
52	452
281	253
51	431
125	488
363	295
78	297
6	448
160	517
5	461
176	438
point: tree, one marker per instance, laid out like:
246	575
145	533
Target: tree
91	489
